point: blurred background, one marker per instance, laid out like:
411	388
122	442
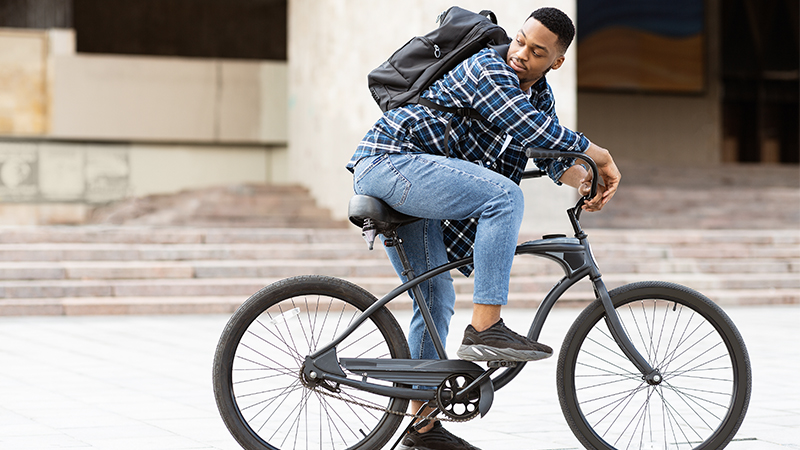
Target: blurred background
175	156
106	100
243	113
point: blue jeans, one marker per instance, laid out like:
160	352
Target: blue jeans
436	188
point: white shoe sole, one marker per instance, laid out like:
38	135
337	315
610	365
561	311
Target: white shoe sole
480	352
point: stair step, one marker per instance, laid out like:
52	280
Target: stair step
183	252
105	234
228	304
136	269
281	268
120	305
288	206
161	287
210	249
605	253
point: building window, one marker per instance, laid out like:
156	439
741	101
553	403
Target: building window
235	29
635	45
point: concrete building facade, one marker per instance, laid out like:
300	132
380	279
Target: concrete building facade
79	126
82	129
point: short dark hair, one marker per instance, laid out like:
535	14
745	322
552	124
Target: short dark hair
559	23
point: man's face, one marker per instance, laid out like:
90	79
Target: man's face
533	52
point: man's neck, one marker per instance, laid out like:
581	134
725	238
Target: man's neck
528	92
528	86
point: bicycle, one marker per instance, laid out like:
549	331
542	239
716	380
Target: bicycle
318	362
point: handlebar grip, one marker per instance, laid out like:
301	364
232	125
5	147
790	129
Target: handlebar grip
533	174
544	153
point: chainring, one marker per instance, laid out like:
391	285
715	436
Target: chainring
462	409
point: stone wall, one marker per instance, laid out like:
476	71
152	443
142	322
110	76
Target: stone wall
23	77
78	130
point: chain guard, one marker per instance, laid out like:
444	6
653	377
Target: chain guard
460	410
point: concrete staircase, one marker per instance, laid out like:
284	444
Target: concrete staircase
736	196
147	269
732	233
240	206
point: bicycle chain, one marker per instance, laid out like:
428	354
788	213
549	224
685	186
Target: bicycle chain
386	410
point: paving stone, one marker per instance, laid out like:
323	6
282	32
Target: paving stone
142	381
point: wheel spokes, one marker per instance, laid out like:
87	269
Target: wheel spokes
686	408
267	376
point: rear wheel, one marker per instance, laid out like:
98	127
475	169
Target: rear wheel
705	391
261	394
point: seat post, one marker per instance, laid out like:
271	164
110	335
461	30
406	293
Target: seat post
392	240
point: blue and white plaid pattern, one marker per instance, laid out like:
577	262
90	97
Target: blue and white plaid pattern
514	122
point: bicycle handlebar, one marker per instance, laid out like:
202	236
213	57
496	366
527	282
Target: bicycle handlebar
536	173
553	154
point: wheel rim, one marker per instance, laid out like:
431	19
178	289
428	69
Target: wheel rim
691	404
272	399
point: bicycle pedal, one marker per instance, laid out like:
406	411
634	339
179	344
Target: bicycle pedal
498	364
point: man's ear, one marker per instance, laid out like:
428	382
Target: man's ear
558	62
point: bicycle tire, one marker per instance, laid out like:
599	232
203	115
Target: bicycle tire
257	364
706	385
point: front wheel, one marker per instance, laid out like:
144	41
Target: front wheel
703	397
262	396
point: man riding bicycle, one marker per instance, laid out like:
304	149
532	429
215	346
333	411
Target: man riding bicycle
461	176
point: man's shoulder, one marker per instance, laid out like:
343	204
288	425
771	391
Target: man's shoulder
489	62
488	55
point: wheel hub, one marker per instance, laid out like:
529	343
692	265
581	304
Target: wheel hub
653	378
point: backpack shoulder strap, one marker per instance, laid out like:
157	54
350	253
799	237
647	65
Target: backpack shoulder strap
490	15
464	112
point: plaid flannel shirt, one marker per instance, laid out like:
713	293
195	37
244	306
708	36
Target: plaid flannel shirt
514	122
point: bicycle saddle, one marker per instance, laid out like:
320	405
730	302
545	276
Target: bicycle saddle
365	207
375	217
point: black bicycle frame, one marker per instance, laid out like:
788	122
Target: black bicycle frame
575	257
572	254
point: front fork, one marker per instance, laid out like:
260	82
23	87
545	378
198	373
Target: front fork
651	375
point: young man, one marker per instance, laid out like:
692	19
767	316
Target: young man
468	193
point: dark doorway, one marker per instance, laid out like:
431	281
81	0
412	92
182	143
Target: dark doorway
760	76
236	29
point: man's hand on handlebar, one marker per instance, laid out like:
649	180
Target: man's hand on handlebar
577	176
609	178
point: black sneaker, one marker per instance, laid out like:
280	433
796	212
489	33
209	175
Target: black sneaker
498	343
436	439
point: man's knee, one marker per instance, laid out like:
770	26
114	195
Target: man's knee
511	199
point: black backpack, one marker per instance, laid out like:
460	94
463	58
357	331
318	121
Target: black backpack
424	59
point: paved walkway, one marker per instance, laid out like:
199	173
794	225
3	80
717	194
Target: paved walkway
144	382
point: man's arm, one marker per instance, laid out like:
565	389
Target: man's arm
578	177
492	88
